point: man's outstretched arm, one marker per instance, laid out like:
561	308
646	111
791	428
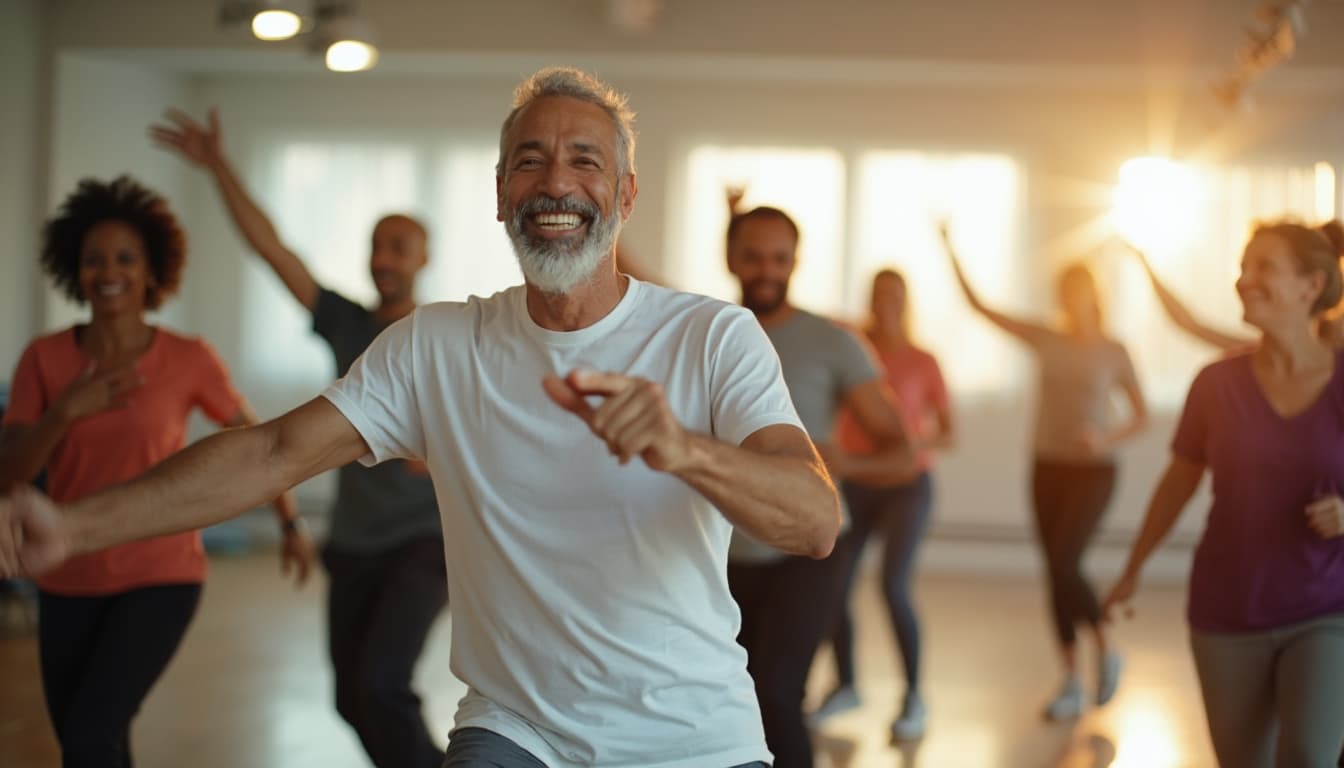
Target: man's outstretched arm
213	480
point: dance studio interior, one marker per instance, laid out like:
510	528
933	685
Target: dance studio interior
1061	264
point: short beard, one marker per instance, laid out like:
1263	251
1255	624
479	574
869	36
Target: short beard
764	307
556	266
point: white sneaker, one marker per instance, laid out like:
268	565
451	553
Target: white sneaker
1108	676
910	725
842	699
1068	703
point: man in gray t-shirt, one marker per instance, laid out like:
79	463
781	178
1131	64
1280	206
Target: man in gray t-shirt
789	603
387	580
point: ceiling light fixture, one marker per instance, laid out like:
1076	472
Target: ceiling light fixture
271	25
331	28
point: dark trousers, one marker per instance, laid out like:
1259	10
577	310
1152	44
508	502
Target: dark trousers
900	515
380	609
1070	500
787	607
100	656
479	748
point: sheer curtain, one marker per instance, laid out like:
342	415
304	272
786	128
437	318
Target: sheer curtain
899	197
1202	271
325	197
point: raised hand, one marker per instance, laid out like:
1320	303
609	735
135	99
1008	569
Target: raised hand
94	391
32	539
634	418
198	144
734	194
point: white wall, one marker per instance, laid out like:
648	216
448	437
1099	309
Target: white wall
1070	131
1065	128
22	61
99	121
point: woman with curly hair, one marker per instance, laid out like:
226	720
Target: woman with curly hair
95	405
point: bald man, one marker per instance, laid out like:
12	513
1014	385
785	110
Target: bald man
384	554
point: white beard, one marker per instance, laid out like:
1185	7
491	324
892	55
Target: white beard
557	266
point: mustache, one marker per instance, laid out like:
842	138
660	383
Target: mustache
756	285
566	204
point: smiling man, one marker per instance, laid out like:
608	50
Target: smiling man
384	553
593	439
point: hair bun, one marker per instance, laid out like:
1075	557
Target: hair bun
1334	232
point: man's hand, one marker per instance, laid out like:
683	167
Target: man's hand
32	537
297	553
1325	516
198	144
634	418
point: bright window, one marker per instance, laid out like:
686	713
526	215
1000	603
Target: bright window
891	222
902	198
808	184
325	197
1202	265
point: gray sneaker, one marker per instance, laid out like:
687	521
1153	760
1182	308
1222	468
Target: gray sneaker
1068	703
842	699
1108	677
910	725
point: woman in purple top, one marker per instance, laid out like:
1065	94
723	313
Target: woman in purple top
1266	606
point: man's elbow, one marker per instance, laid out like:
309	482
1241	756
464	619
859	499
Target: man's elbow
821	539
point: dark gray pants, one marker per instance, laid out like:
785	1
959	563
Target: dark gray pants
479	748
1274	698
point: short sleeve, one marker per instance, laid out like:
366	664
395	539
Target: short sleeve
1192	431
27	400
334	316
215	393
378	396
853	360
747	390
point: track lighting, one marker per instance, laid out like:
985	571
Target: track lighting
332	28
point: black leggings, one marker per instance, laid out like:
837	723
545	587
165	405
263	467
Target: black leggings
99	657
787	607
1070	500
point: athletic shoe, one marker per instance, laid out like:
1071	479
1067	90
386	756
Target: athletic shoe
1108	677
1068	703
842	699
910	725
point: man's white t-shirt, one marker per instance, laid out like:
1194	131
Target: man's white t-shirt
592	621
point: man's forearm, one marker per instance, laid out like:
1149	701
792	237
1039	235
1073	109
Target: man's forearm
213	480
785	501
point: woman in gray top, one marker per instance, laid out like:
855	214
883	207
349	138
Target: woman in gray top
1074	470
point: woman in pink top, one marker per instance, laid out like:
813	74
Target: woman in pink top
1080	369
98	404
898	511
1266	602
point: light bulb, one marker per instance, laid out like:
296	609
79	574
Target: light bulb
276	25
350	56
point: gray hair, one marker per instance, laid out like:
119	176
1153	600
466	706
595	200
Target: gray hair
575	84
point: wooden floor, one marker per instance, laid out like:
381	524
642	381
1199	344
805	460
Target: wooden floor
251	687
